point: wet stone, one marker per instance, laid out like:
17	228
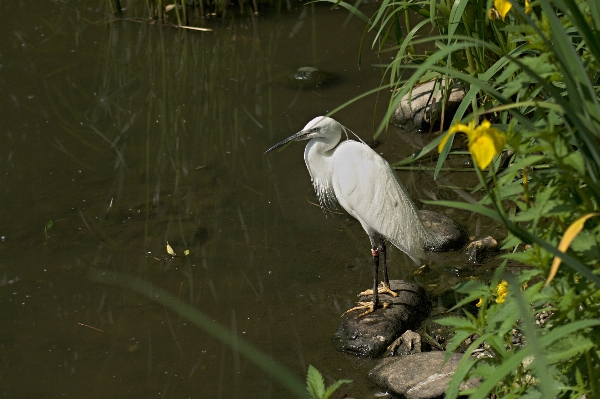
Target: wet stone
477	250
417	376
419	109
311	78
455	235
371	335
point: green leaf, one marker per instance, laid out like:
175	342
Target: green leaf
465	364
49	225
576	161
512	362
457	339
314	383
503	315
458	377
333	387
569	348
459	323
474	290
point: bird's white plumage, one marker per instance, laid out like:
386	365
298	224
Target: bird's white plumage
365	185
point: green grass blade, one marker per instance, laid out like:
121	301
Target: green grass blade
468	207
355	11
290	381
334	387
456	13
419	154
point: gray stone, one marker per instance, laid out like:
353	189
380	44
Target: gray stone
477	250
419	376
455	235
372	334
421	108
407	344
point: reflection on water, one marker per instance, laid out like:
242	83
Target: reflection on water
169	127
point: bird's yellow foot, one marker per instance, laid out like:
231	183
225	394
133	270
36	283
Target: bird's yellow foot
383	289
370	306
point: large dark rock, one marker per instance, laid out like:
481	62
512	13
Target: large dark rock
454	235
418	376
372	334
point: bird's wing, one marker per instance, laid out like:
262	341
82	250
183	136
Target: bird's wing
367	187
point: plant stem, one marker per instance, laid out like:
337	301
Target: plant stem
408	29
590	367
115	5
470	60
176	3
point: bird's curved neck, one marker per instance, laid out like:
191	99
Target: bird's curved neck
317	156
318	151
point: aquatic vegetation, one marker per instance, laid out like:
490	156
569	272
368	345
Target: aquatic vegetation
47	227
186	10
532	69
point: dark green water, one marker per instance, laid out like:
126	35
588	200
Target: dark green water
169	126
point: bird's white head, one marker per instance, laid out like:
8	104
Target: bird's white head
321	126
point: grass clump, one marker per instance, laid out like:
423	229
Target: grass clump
532	74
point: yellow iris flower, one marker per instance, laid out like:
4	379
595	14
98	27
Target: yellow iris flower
485	142
503	7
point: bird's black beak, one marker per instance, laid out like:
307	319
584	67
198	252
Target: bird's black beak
298	136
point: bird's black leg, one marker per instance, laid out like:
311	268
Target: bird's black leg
385	284
375	253
371	306
386	279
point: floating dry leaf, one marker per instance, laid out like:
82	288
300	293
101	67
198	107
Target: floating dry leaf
170	250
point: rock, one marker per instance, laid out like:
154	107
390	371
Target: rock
416	376
311	78
415	109
477	250
455	235
372	334
407	344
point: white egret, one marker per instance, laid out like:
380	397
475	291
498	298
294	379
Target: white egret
364	184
